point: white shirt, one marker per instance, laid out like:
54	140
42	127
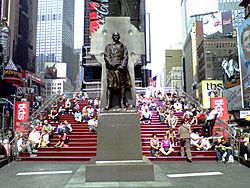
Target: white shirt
193	137
19	144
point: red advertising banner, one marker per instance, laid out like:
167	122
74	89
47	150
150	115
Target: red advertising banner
220	105
21	115
98	11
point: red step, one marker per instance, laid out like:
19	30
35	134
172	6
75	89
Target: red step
82	144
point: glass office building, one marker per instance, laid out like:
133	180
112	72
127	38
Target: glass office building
55	33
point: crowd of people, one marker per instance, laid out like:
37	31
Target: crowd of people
180	116
41	130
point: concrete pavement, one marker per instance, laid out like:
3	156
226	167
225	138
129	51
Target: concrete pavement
58	175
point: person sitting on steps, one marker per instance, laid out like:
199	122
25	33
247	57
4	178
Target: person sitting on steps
166	146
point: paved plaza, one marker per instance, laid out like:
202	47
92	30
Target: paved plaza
167	174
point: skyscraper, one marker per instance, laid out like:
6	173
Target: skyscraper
238	12
55	33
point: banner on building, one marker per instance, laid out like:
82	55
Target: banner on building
55	70
244	59
217	22
220	105
231	71
21	115
233	96
98	11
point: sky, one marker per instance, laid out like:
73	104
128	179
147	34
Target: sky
165	28
79	15
165	16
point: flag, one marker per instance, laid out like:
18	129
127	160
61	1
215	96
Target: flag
152	81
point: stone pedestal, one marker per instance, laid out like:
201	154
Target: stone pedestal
119	153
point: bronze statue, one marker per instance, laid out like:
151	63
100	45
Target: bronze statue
118	78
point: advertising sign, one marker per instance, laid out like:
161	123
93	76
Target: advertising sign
98	11
21	113
212	23
220	105
227	24
231	71
55	70
217	22
233	96
244	59
244	114
210	89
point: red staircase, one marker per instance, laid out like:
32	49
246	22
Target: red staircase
160	129
82	145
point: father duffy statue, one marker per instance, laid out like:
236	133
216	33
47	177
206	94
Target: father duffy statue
118	78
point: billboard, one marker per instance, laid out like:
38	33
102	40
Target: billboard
233	96
210	89
55	70
220	105
98	11
217	22
21	115
244	59
231	71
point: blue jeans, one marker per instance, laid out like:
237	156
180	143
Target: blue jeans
220	153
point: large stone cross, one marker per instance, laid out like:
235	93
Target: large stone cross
130	36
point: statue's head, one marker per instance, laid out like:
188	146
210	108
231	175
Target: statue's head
116	36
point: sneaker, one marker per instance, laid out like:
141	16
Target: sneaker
189	160
33	155
34	151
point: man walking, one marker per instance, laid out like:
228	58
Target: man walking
184	132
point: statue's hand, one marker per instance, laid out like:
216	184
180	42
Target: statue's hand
121	67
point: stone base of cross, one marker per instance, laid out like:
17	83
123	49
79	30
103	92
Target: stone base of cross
130	36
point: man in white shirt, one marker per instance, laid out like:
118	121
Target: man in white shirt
23	145
196	139
146	116
34	138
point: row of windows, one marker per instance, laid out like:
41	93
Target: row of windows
54	88
49	17
227	1
54	84
220	45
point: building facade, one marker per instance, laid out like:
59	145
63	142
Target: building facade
173	58
55	34
211	53
238	12
175	78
